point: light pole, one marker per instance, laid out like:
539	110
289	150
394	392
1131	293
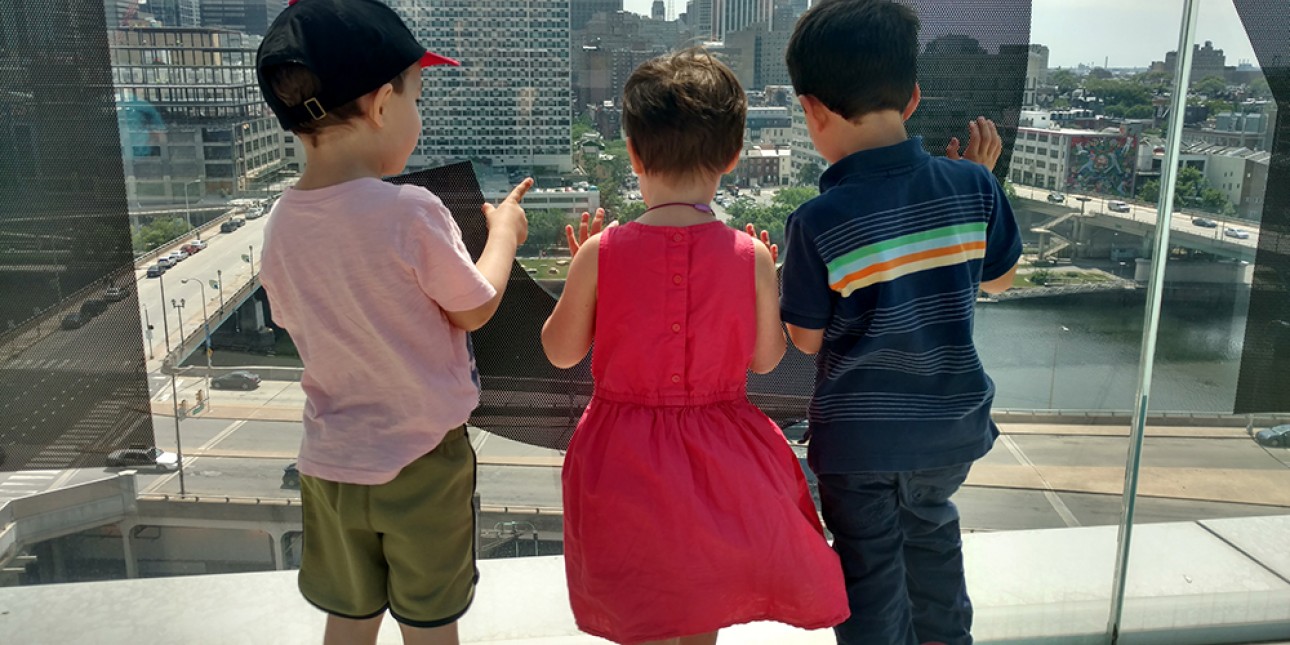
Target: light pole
179	312
250	257
206	321
188	214
1082	201
179	448
165	326
1052	379
147	332
219	280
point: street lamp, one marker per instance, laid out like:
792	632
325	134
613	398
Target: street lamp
206	322
1082	200
219	282
179	312
165	325
250	257
1052	379
147	332
188	214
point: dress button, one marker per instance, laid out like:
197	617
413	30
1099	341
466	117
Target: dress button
678	237
676	327
676	279
676	378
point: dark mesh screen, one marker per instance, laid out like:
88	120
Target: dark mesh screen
1264	384
67	396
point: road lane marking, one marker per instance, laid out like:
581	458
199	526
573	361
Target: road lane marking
1053	498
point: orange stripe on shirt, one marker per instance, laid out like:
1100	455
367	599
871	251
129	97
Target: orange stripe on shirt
914	257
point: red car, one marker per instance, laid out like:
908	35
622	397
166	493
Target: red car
191	249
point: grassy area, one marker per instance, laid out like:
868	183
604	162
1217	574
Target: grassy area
543	268
1058	278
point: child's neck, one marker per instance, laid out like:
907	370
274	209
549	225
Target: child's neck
337	161
874	130
679	197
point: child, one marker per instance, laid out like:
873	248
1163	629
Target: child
685	508
375	284
880	277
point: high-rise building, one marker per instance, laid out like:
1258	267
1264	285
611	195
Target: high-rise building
1036	74
756	55
510	102
177	13
733	15
190	113
247	16
659	10
1205	62
700	17
611	45
580	11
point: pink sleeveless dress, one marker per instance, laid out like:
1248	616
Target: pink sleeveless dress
685	508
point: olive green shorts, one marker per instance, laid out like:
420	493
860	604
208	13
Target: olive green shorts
407	545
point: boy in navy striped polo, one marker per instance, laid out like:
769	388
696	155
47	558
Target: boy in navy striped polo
880	276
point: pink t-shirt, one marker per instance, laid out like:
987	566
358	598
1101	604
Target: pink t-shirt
361	274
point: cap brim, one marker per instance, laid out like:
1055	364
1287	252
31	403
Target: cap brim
430	59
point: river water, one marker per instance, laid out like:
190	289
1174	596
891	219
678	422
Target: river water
1083	352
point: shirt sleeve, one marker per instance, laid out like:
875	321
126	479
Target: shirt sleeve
1002	237
805	300
438	257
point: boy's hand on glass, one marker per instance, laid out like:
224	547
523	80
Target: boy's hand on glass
509	215
984	144
765	239
586	228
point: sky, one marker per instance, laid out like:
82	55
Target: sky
1130	33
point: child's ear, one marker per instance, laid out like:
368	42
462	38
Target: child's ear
637	166
816	114
914	100
374	104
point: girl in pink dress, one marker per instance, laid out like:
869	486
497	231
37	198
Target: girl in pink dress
685	508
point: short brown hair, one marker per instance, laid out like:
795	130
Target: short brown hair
294	84
684	112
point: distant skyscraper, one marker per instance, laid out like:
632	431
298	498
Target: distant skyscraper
177	13
247	16
733	15
701	19
659	10
510	102
1036	74
580	11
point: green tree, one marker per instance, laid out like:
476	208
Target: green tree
158	232
1149	191
1210	86
546	228
1125	93
1009	190
809	174
1140	112
581	126
1219	106
630	211
1259	88
795	196
1100	74
1065	80
1192	191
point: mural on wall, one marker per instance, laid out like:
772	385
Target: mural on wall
1102	165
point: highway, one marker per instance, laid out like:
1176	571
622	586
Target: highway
1180	222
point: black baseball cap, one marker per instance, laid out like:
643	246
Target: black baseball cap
352	46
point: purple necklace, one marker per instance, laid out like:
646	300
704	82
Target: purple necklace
702	208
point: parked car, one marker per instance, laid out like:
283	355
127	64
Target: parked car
115	294
199	244
153	457
255	213
1056	198
93	307
1118	206
227	226
291	476
1237	233
238	222
165	261
74	320
1204	222
191	249
178	255
239	380
1276	437
156	270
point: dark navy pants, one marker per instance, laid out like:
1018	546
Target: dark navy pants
897	535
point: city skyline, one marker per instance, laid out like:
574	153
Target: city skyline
1119	36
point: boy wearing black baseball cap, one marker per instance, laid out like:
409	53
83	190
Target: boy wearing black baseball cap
376	287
